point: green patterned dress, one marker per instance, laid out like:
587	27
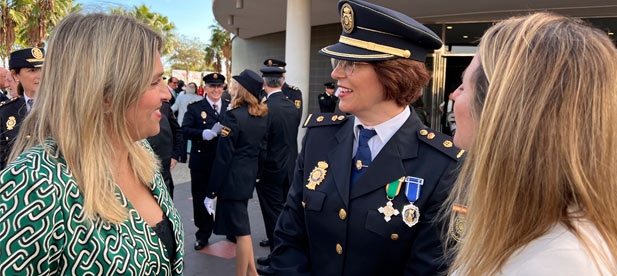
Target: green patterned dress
43	230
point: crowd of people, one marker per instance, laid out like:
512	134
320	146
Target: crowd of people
91	132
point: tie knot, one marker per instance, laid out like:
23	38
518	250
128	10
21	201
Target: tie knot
30	102
365	135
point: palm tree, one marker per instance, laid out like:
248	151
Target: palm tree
42	16
219	50
156	21
12	14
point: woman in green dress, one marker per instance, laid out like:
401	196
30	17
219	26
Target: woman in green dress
82	193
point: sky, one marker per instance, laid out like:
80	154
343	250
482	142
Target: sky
191	17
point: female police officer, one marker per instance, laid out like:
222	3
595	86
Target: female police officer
368	186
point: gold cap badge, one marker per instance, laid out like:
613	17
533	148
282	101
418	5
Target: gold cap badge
269	62
347	18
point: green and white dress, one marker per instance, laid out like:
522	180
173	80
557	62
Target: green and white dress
43	230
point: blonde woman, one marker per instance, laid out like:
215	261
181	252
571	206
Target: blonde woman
538	186
82	194
242	140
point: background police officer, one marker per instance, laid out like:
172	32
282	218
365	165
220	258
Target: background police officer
327	100
293	93
201	124
25	66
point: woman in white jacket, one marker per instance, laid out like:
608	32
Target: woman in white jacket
184	99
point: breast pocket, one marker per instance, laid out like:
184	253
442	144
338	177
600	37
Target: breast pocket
394	230
313	200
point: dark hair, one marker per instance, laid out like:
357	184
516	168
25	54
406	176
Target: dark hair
402	79
20	88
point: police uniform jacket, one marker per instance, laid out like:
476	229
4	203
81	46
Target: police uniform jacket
294	94
242	139
282	148
333	230
12	113
199	116
167	144
327	103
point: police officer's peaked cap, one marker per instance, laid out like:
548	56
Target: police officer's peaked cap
27	58
214	78
372	33
329	85
271	71
275	63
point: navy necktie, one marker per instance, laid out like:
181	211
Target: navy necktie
30	102
363	155
216	112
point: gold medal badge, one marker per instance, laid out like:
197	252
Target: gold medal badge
10	123
298	103
204	115
317	175
457	221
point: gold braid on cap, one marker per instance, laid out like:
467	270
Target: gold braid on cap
374	47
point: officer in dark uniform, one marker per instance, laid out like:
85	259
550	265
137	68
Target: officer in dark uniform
167	145
201	124
293	93
327	99
12	112
282	150
368	187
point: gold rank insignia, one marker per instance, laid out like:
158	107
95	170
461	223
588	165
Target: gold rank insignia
225	131
204	115
334	117
347	18
457	221
430	136
10	123
341	117
298	103
423	132
317	175
319	119
447	143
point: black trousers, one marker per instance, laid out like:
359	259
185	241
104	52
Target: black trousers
204	221
271	194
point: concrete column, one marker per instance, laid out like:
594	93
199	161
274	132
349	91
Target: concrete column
297	51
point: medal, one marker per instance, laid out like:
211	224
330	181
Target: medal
388	211
392	190
411	212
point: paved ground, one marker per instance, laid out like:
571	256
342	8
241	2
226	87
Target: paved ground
218	258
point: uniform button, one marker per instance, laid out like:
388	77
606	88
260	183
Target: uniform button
394	236
342	214
198	150
303	204
27	136
339	249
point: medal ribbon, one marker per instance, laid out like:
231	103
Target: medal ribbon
393	188
412	191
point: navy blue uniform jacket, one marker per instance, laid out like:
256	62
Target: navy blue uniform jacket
199	116
333	230
12	113
235	167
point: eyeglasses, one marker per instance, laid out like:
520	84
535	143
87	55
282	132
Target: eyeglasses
215	85
346	65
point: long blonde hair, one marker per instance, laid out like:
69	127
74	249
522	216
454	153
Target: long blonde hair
243	96
96	66
552	83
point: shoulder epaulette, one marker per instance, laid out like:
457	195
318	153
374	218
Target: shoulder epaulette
3	103
195	101
324	119
440	142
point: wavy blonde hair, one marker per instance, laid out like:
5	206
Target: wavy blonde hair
96	66
552	82
255	108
